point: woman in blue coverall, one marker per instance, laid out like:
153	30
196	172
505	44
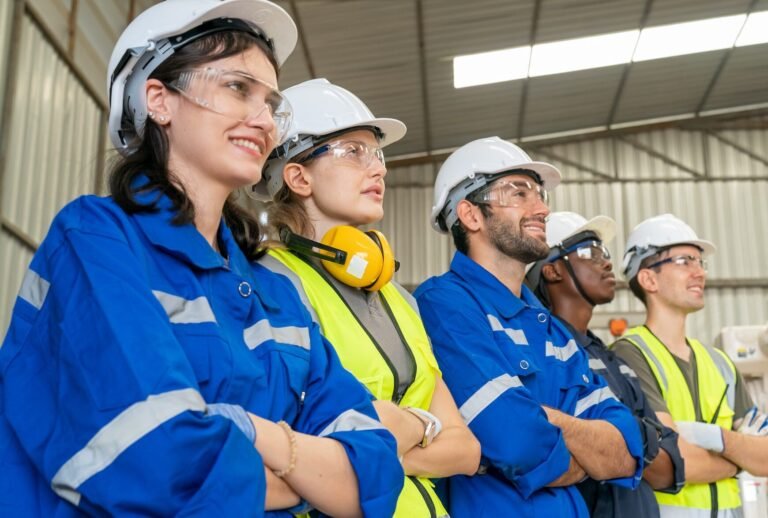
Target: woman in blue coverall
149	369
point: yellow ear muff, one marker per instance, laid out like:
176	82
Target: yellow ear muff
388	260
369	263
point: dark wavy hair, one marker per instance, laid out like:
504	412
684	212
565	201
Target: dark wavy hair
151	157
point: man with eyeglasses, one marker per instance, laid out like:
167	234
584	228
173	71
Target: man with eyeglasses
543	419
693	388
576	276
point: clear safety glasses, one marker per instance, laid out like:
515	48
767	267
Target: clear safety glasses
236	95
517	193
689	262
354	152
594	251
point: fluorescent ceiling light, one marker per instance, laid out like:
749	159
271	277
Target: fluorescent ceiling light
755	31
491	67
583	53
610	49
688	38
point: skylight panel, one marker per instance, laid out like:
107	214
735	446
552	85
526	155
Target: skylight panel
491	67
583	53
688	38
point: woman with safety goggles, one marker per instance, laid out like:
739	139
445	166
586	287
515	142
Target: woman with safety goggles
326	181
149	368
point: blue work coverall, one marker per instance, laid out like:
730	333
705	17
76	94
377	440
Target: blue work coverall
503	357
125	328
610	500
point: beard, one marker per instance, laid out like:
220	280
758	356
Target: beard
513	242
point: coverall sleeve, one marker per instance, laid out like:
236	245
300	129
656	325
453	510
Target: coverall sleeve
337	406
516	438
103	399
595	400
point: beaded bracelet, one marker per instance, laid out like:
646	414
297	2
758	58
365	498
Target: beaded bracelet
292	439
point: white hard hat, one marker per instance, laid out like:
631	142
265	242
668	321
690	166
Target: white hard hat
154	35
320	109
473	166
562	225
655	234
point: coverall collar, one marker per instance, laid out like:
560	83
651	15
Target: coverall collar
186	243
506	303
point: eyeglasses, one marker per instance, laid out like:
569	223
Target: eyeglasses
236	95
354	152
689	262
517	193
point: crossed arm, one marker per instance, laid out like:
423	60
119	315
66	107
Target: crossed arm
596	446
701	466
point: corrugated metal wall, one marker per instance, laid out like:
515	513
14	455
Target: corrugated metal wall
53	136
715	180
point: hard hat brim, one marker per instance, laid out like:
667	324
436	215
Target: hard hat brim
603	226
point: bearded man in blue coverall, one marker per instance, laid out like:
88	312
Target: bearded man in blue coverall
524	387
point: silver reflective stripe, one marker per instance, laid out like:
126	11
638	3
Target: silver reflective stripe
725	371
486	395
672	511
638	340
34	289
627	371
595	398
596	364
262	331
183	311
118	435
562	353
516	335
351	420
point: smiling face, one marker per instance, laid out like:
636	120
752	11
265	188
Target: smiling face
681	286
346	181
519	232
208	148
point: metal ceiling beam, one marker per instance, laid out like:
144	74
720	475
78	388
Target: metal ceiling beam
625	73
721	65
425	109
72	29
572	163
524	94
303	38
661	156
741	149
698	123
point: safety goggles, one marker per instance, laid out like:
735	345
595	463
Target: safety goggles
592	250
236	95
689	262
354	152
516	193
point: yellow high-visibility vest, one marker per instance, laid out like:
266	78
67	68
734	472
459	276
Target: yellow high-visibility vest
716	376
360	355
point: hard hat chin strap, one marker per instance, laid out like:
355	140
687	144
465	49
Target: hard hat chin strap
576	282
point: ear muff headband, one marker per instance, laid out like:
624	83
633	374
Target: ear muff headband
356	258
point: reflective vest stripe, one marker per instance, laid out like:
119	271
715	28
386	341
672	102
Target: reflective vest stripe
185	311
486	395
118	435
351	420
262	331
34	289
711	385
360	354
